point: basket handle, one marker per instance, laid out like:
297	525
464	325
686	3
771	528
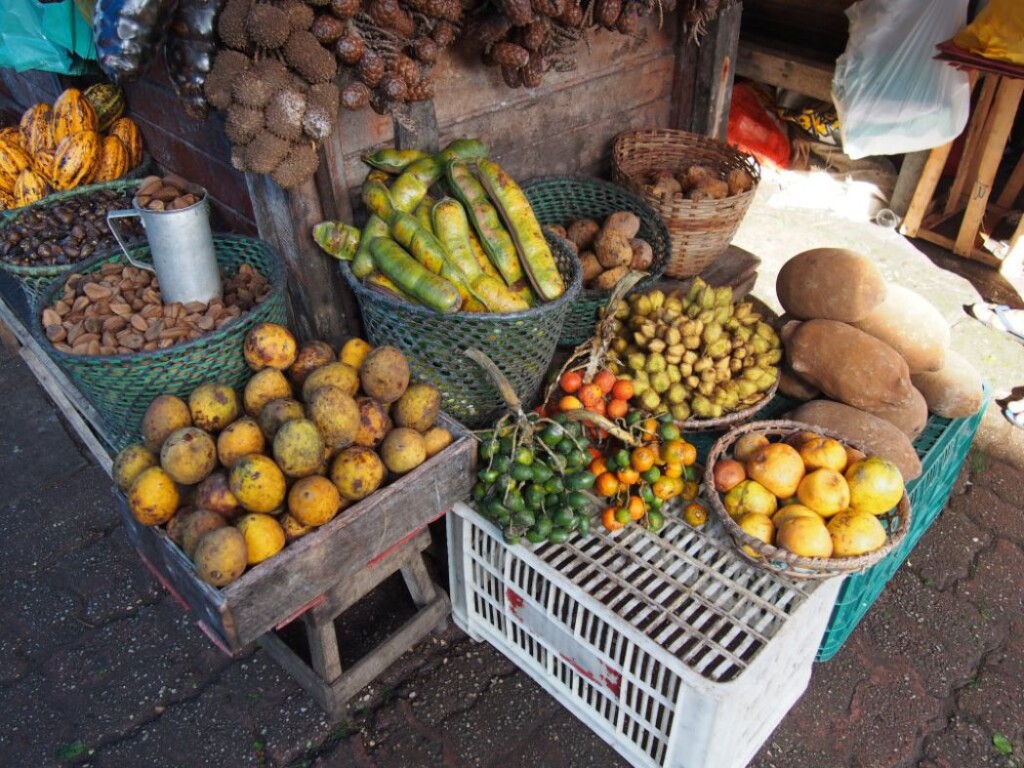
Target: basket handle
508	394
123	214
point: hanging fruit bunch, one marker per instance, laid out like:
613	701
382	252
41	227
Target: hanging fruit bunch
82	138
527	38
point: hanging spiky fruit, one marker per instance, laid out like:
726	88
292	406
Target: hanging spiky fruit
394	87
425	49
231	24
512	76
300	15
298	166
285	112
491	28
242	123
327	29
227	68
267	26
606	12
405	68
383	12
444	34
422	91
533	36
310	59
265	152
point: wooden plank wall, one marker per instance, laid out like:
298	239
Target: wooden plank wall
815	28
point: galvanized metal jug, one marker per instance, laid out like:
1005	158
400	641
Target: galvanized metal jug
181	245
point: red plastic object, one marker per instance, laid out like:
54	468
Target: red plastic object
755	130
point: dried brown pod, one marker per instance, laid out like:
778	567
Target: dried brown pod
267	26
532	37
394	87
425	49
242	123
519	12
573	14
371	68
381	104
344	9
310	59
490	28
629	20
606	12
284	113
422	91
231	24
383	12
265	152
227	68
403	25
298	166
510	55
533	72
444	34
550	8
355	96
448	10
300	15
349	49
512	76
405	68
327	29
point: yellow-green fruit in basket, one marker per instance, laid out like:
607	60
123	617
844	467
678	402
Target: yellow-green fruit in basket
299	448
265	386
778	467
385	374
336	415
749	496
787	511
263	535
314	500
358	472
311	355
876	485
153	497
213	406
196	525
759	526
340	375
277	412
436	439
258	483
166	414
418	408
805	536
855	533
129	462
269	345
238	439
403	450
221	556
188	455
354	352
825	491
214	493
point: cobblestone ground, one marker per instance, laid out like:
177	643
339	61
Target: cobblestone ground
98	667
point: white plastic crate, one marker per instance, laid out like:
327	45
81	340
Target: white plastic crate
671	647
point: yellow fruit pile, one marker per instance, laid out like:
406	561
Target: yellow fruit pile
236	476
808	494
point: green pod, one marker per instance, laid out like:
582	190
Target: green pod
481	258
378	199
514	208
362	263
463	149
429	252
423	215
496	242
392	160
414	182
385	283
338	239
413	278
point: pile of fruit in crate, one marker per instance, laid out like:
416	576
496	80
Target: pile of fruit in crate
694	355
480	249
607	250
81	139
698	182
807	493
234	478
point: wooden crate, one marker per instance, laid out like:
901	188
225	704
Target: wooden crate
294	581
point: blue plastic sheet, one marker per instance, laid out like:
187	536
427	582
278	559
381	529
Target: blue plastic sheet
53	37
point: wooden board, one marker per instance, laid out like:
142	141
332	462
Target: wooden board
785	68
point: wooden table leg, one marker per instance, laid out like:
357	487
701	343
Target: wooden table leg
1013	186
1013	264
973	141
1004	110
926	187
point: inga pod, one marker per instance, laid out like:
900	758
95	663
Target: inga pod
362	262
412	184
337	239
393	160
463	149
189	52
413	278
385	283
429	252
514	208
422	214
377	199
127	34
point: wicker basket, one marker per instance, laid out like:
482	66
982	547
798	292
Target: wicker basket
521	344
34	280
700	230
896	521
121	387
730	420
560	199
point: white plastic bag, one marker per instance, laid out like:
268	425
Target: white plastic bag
891	95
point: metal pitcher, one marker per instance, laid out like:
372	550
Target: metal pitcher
181	245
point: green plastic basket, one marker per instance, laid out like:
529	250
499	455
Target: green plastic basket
521	344
121	387
35	280
557	200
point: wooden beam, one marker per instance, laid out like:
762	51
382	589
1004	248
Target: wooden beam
1013	187
419	130
926	186
968	167
785	69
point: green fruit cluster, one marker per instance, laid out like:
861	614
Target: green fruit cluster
695	355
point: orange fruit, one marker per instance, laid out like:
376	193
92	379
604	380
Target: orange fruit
759	526
689	454
746	445
649	428
855	533
628	476
607	485
605	380
623	389
776	466
598	466
664	488
805	536
792	510
750	496
609	521
690	490
695	514
672	469
728	473
617	409
676	452
590	395
595	452
825	491
823	453
876	485
643	458
636	507
570	382
600	409
569	403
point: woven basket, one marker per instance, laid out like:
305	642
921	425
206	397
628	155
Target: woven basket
34	280
730	420
560	199
121	387
700	230
521	344
896	521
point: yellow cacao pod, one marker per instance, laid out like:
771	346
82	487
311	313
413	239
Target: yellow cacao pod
10	133
29	187
6	201
13	160
128	132
75	160
72	114
35	130
113	163
42	164
107	101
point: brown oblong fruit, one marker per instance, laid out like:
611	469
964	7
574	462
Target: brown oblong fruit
269	345
385	374
221	556
357	472
214	493
374	422
213	405
267	385
165	415
188	455
336	415
238	439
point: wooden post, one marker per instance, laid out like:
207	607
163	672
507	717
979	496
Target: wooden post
285	219
420	130
704	73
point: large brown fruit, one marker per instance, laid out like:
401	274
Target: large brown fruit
266	385
385	374
196	525
153	498
277	412
311	355
129	464
336	415
221	556
374	422
239	438
417	408
403	450
299	448
357	472
339	375
213	406
75	160
188	455
214	493
269	345
72	113
164	415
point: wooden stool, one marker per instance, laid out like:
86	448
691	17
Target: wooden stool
987	134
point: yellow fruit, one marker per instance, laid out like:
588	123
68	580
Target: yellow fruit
196	525
164	415
876	485
384	374
188	455
825	491
299	448
750	496
805	536
436	439
277	412
213	406
357	472
374	422
214	494
746	444
344	377
855	533
354	352
792	510
823	453
266	385
311	355
263	535
776	466
314	500
695	514
153	497
403	450
292	528
258	483
335	414
758	526
238	439
221	556
417	408
269	345
129	462
797	439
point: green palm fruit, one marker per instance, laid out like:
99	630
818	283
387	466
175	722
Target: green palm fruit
722	314
673	336
765	331
623	311
656	345
680	412
640	375
619	344
722	376
650	400
693	310
655	363
696	287
770	357
707	375
673	303
742	310
691	342
639	387
707	297
691	381
701	406
712	333
657	299
660	382
720	348
685	369
759	345
745	333
731	324
674	374
723	296
636	361
745	388
702	364
643	305
676	394
690	357
735	364
706	316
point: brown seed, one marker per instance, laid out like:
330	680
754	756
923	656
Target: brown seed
51	317
149	185
80	304
139	323
93	348
121	309
56	332
63	347
156	205
114	323
74	332
93	324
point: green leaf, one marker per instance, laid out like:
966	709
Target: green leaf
69	752
1002	744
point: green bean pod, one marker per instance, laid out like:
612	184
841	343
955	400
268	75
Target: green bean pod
385	283
463	149
422	214
338	239
481	257
514	208
377	198
392	160
362	264
413	278
429	252
412	186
